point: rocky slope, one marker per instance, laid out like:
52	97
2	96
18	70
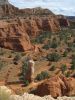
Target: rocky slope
18	26
10	10
27	96
57	86
63	21
13	36
15	33
5	92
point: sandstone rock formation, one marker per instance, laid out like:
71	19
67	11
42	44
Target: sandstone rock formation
18	26
16	33
13	36
57	86
8	9
63	21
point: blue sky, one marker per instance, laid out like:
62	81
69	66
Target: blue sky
66	7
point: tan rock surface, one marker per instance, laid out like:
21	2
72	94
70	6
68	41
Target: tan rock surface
57	86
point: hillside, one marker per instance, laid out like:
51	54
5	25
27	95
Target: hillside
45	38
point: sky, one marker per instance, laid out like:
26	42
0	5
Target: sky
65	7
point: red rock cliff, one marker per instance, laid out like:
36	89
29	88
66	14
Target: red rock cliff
16	28
57	86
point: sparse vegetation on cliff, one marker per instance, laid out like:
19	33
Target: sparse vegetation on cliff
43	75
63	68
53	57
24	72
39	33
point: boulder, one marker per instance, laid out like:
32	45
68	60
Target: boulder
57	86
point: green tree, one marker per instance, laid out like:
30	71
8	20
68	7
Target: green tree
53	57
24	72
63	68
42	75
52	68
73	63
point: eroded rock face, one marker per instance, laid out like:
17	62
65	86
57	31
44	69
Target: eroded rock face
63	21
57	86
13	36
16	33
8	9
17	27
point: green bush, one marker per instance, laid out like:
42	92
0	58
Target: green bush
54	43
41	38
24	72
46	46
17	57
1	65
42	75
63	68
53	57
51	44
1	51
65	54
24	68
64	34
73	67
72	46
26	82
73	63
52	68
67	74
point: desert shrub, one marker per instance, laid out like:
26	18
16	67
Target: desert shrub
52	68
1	65
1	51
64	34
26	82
24	68
54	43
51	44
65	54
73	57
72	46
24	72
72	25
63	68
23	54
53	57
16	59
41	37
73	63
10	56
67	74
42	75
73	66
46	46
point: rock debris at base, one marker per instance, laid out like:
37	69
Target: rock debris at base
27	96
